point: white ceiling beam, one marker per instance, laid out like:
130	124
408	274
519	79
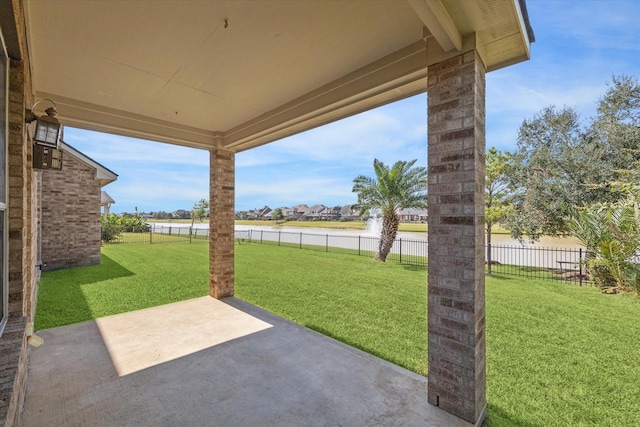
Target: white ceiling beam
394	77
85	115
439	23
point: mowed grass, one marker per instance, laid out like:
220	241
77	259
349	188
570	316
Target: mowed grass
129	277
377	307
561	355
557	354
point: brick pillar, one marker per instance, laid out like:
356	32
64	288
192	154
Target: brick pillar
456	132
221	223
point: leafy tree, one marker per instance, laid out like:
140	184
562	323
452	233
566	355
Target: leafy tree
496	193
561	165
616	129
278	215
399	187
162	215
199	211
555	167
182	214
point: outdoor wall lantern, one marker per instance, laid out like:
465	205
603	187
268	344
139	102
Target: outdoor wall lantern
48	128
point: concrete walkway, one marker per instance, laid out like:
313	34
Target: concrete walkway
205	362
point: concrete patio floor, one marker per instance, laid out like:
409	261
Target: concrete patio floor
205	362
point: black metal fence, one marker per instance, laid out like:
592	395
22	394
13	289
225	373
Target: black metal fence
160	234
406	251
536	262
521	261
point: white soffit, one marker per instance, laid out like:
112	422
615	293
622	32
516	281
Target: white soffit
239	74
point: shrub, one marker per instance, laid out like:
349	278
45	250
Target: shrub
611	232
600	274
111	227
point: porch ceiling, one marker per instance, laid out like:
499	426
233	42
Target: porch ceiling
238	74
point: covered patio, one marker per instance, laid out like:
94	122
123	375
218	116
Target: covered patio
219	363
230	75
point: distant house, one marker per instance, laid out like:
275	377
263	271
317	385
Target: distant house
70	201
296	212
347	213
413	215
314	213
259	213
105	202
331	214
262	213
405	215
289	213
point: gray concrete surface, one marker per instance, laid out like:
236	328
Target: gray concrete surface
205	362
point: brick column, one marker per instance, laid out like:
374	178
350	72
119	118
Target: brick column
456	132
221	223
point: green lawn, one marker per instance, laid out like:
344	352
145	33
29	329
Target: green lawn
557	354
129	277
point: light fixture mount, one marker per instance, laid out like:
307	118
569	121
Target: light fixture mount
48	129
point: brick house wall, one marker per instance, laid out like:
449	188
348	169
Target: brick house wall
70	222
21	204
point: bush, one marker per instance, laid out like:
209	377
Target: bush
600	274
611	233
134	223
111	227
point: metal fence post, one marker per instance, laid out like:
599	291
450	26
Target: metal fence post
326	245
580	266
401	250
150	235
489	257
190	232
279	233
358	245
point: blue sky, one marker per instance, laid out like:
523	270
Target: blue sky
580	45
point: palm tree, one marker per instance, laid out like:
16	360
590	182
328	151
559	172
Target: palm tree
399	187
611	233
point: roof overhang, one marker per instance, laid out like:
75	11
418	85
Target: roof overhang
237	74
106	199
103	174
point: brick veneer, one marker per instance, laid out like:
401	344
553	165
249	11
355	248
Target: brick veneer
221	223
21	251
456	113
70	224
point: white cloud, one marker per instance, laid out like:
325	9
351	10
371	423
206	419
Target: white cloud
105	148
377	133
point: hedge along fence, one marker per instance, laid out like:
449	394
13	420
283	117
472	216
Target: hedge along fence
529	262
